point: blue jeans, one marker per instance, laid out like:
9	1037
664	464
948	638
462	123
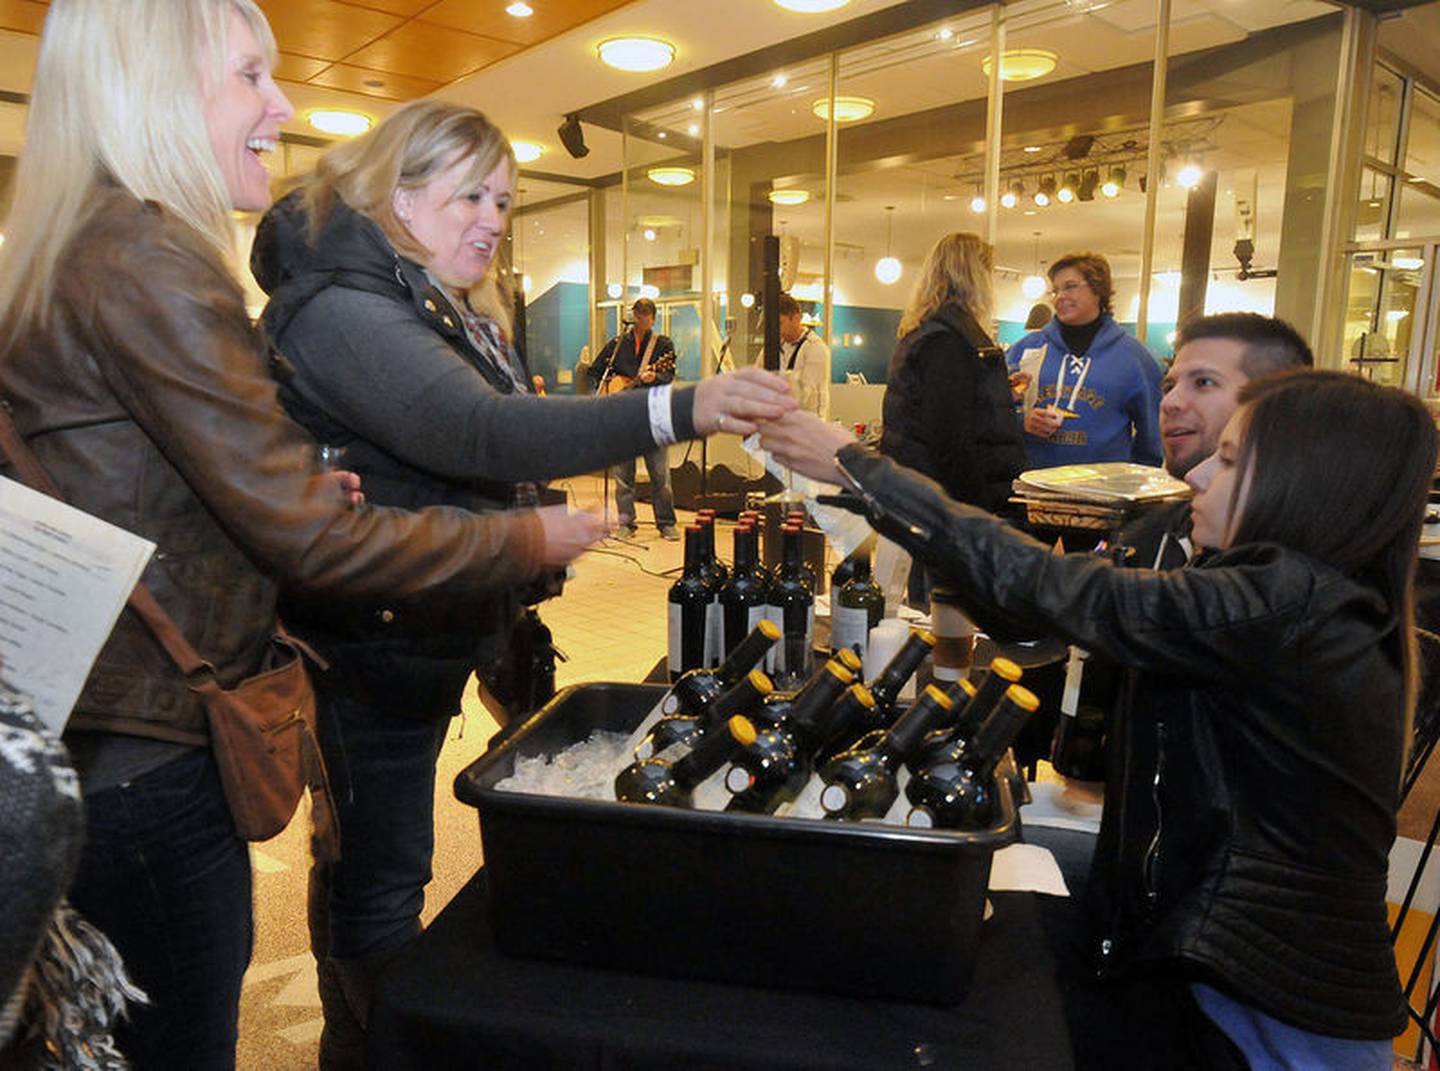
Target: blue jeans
657	464
165	877
382	777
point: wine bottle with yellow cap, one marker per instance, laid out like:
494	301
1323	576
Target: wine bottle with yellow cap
887	685
694	691
682	730
860	783
973	704
776	708
774	769
672	784
959	792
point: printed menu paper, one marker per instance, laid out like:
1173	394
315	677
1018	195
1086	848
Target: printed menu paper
64	578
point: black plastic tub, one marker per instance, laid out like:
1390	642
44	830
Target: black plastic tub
854	908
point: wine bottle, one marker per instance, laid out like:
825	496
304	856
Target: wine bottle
1078	750
972	706
693	692
860	783
854	719
716	575
856	606
776	707
959	793
798	527
686	727
689	602
791	600
656	780
887	686
742	599
774	768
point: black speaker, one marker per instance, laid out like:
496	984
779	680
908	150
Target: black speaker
572	137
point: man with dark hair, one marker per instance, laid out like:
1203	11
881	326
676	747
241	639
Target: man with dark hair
1214	357
804	359
639	357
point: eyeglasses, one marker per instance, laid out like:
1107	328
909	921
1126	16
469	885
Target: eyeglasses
1068	288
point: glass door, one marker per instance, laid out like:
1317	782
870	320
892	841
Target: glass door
1388	336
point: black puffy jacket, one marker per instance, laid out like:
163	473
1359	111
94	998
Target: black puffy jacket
1254	773
948	411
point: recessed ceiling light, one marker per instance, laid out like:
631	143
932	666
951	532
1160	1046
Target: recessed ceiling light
527	152
693	130
779	81
847	109
520	10
811	7
945	34
1032	148
1022	64
698	104
671	176
662	135
789	197
336	121
636	53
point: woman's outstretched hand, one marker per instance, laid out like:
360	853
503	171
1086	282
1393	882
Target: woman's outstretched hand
567	533
802	441
738	402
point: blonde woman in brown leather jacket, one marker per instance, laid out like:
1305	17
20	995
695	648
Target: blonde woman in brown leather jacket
134	374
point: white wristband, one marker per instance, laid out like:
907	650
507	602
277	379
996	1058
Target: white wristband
661	429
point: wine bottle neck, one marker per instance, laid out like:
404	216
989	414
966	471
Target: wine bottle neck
910	728
900	669
745	657
994	737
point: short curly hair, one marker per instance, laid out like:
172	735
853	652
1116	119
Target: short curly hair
1095	269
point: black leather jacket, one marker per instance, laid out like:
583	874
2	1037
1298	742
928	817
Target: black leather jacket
1253	783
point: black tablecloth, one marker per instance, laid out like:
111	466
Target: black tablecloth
453	1000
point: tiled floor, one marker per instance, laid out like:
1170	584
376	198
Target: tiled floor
611	623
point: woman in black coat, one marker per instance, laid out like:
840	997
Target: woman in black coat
1238	889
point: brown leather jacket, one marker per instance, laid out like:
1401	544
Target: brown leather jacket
146	396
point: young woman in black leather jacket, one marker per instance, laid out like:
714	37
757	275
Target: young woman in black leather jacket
1240	875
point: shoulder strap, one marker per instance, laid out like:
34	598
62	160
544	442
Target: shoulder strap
160	623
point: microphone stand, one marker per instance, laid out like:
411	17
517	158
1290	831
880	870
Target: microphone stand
704	443
605	472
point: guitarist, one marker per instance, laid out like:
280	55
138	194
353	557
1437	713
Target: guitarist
639	357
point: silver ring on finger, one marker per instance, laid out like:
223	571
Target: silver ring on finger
720	422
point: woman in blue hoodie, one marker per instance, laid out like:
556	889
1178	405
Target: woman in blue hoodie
1096	389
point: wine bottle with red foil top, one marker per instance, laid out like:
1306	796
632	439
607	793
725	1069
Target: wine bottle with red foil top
887	686
671	784
681	730
774	768
689	608
792	603
960	793
742	599
716	575
856	606
860	783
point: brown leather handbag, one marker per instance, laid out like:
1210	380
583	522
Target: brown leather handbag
262	731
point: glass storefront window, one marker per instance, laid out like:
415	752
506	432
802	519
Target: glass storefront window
549	263
1420	195
1381	312
1382	115
1373	205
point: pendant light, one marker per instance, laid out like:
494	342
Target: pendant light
887	268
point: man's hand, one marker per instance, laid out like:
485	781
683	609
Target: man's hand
1043	422
737	402
1018	382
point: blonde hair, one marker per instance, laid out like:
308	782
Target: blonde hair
118	97
958	268
417	142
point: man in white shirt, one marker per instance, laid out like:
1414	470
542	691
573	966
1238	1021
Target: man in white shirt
804	360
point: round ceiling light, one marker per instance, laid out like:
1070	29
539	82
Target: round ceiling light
339	122
887	270
520	10
671	176
527	152
1022	64
789	197
810	7
636	53
847	109
1033	286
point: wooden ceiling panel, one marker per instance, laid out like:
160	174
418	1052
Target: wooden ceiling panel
408	8
488	17
293	68
393	87
425	50
325	29
23	16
